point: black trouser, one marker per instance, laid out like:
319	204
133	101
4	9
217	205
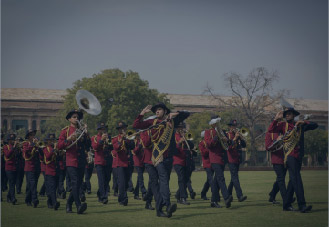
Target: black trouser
68	182
279	184
208	183
61	178
4	179
31	187
115	185
102	185
12	181
219	181
88	174
19	179
123	178
182	180
72	173
81	175
163	198
188	179
130	174
294	167
153	186
43	187
108	170
140	181
51	184
234	169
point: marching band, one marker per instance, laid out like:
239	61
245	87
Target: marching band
159	144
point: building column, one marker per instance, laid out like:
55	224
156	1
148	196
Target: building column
29	120
38	123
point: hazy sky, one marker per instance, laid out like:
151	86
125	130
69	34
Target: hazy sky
177	45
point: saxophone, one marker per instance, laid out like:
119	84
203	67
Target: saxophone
221	136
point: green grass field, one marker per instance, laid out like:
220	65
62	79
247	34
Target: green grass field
255	211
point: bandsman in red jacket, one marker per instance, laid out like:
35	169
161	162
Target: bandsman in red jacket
163	148
30	154
153	184
213	140
67	137
138	156
293	158
206	166
50	154
180	164
233	154
100	144
122	146
10	151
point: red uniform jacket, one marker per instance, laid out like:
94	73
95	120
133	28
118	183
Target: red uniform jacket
138	153
100	152
277	157
42	163
147	147
72	152
232	152
30	155
283	127
121	150
179	158
115	159
216	152
140	124
50	160
10	157
204	154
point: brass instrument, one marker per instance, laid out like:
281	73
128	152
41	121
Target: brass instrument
222	137
89	103
189	136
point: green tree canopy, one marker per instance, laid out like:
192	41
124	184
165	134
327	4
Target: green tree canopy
122	96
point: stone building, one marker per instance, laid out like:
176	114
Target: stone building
30	108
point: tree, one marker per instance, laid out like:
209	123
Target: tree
316	146
122	96
252	96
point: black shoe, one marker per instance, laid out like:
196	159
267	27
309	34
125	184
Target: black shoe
105	201
83	198
29	204
57	205
137	197
82	208
183	201
215	205
204	197
19	192
274	202
130	189
35	203
88	192
192	194
171	209
68	208
305	209
14	201
228	201
290	208
242	198
161	214
124	202
148	206
42	194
